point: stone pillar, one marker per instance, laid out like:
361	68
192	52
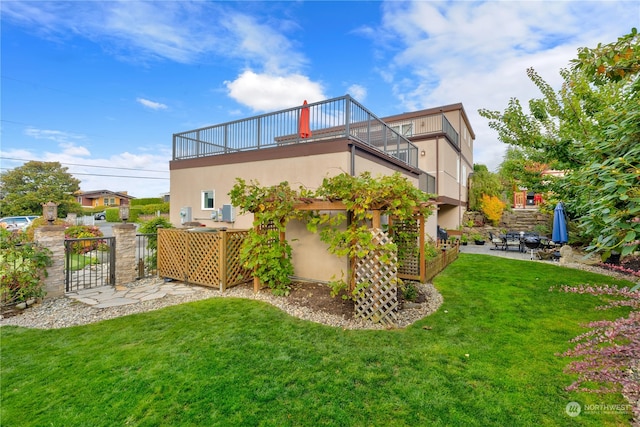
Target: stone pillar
52	238
125	235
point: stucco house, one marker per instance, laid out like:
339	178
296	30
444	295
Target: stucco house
343	137
106	198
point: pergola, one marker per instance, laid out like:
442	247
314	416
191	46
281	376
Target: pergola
306	204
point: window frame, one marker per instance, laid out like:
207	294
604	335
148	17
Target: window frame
203	200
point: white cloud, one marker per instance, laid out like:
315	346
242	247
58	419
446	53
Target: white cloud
181	31
268	92
358	92
477	53
270	49
53	135
141	175
151	104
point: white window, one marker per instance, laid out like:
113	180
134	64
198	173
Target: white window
464	175
404	130
208	200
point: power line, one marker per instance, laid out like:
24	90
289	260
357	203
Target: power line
121	176
112	176
89	166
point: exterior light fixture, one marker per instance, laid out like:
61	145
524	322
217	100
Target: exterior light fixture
423	153
124	213
50	212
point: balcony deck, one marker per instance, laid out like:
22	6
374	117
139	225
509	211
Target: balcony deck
328	120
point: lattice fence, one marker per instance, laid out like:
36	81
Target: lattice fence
405	235
209	258
377	279
443	259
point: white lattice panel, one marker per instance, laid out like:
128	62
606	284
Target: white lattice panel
377	280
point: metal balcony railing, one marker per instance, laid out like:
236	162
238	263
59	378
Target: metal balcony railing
334	118
427	125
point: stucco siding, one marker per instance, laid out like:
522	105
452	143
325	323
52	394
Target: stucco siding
187	185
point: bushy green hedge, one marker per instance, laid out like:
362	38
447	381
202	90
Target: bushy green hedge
113	214
152	209
146	201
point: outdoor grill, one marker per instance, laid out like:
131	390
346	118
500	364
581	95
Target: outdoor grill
532	243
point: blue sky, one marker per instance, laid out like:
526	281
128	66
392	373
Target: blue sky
99	85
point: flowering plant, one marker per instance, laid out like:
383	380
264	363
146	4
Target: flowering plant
609	353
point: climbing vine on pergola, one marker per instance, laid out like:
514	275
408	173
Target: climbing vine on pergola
358	201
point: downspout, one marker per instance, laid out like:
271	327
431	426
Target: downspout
437	165
353	160
460	178
347	124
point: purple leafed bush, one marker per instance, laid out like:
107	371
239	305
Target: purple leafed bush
608	355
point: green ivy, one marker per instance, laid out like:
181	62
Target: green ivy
270	258
263	251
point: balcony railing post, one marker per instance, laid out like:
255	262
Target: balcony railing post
347	112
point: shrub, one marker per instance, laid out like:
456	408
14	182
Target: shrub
492	207
146	201
409	291
83	231
430	250
607	355
39	222
153	209
151	227
22	268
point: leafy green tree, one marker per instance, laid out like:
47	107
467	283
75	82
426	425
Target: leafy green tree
25	188
482	182
590	129
523	168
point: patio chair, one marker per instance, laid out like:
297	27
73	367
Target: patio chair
498	242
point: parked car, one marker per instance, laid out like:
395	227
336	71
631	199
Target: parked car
100	215
17	222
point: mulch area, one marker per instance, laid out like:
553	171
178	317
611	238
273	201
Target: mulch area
627	265
318	297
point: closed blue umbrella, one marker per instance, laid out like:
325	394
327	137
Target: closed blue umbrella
559	234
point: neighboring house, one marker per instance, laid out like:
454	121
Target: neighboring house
106	198
345	138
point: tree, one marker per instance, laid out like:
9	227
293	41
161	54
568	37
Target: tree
523	168
590	129
25	188
483	182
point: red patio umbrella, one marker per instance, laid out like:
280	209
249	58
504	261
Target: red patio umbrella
303	125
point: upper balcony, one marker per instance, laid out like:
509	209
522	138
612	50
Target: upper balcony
427	125
331	119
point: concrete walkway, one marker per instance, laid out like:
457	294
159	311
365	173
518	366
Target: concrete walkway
109	296
489	249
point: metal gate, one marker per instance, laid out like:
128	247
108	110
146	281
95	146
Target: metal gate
89	262
147	255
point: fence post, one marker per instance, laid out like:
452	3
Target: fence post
421	242
222	259
52	238
125	235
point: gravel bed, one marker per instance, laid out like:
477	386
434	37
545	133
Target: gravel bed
64	312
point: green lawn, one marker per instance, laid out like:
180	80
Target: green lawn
79	261
233	362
